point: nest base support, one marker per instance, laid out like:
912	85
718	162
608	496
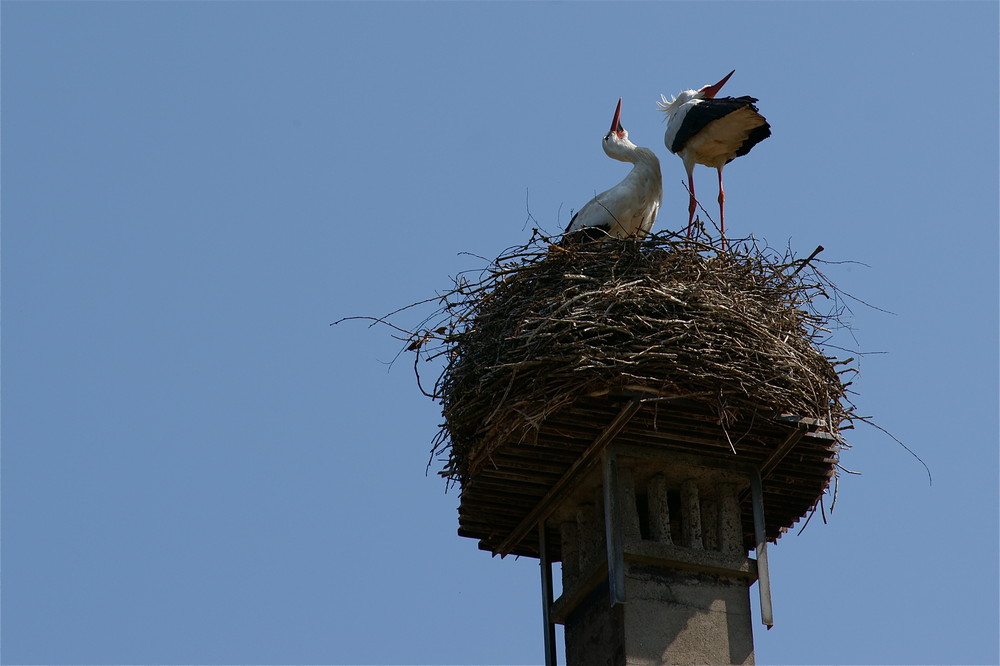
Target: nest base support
644	596
548	626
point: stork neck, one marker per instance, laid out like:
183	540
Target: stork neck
642	155
644	159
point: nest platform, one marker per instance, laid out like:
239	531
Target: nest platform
525	480
664	348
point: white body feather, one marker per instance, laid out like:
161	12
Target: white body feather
676	109
628	209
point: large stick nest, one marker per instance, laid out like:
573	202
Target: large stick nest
544	325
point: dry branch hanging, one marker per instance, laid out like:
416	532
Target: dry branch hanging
544	325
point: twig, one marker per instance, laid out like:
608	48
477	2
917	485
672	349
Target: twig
867	420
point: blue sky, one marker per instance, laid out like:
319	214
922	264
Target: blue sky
197	468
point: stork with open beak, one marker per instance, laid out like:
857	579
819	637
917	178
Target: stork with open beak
629	208
703	129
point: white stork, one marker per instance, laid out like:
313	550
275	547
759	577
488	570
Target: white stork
629	208
714	132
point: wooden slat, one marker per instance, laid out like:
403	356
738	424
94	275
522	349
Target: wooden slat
525	480
565	482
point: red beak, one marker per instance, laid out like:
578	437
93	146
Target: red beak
616	125
708	92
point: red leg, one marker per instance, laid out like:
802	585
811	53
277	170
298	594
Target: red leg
691	202
722	210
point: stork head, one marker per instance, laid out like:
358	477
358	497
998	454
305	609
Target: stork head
708	92
616	124
672	106
616	141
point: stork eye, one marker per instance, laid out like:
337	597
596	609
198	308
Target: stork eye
607	136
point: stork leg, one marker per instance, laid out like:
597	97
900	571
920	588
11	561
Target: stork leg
691	202
722	210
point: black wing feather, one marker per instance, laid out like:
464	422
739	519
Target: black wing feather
710	110
757	134
584	234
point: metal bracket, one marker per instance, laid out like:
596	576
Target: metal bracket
548	626
760	536
613	527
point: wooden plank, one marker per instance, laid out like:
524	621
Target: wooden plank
567	482
779	453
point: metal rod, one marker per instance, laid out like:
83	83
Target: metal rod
548	626
613	528
763	576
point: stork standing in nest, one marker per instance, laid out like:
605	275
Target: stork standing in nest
714	132
629	208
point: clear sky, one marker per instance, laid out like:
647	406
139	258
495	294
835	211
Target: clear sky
197	468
